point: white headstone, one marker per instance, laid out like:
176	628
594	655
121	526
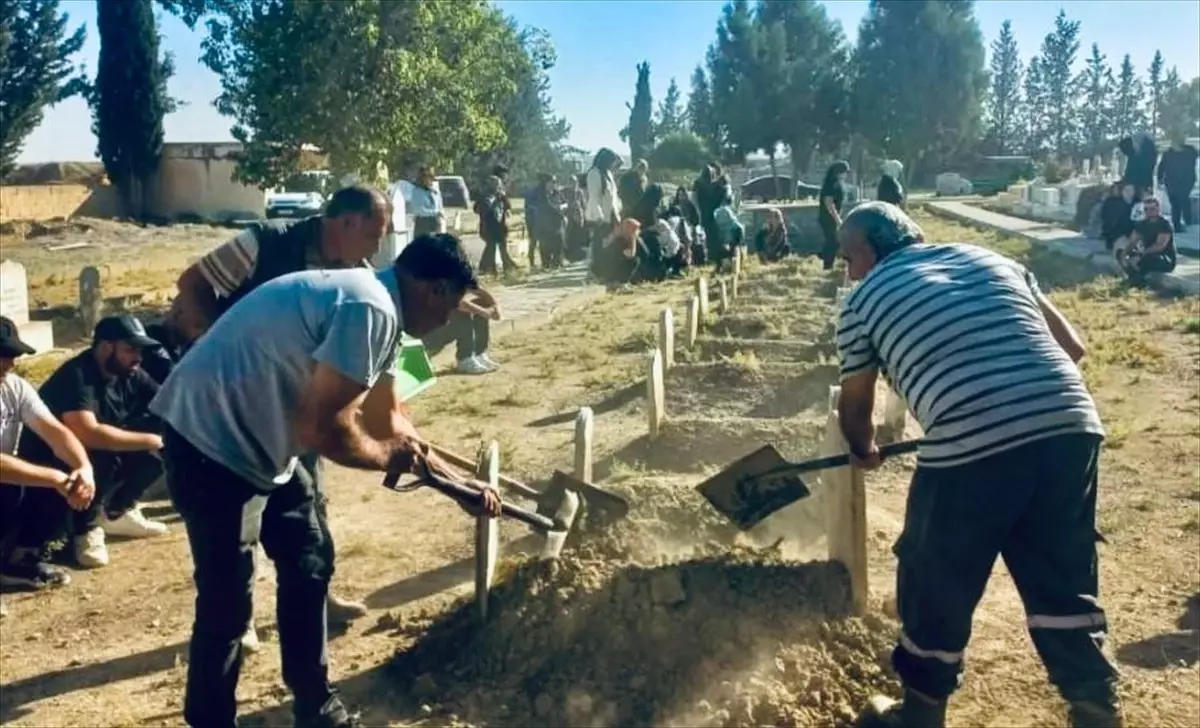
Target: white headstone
1086	167
14	292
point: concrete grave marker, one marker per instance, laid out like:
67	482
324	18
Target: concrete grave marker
733	286
724	299
654	392
702	294
584	430
90	298
487	532
666	337
846	509
14	305
693	321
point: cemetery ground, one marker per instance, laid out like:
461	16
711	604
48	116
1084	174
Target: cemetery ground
627	630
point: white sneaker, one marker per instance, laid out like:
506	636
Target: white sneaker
90	550
250	641
132	524
487	361
472	365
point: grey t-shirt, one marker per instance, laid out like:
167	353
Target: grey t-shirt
19	405
236	394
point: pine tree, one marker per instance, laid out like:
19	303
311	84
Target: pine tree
700	117
1035	108
1097	115
1061	87
1127	117
1004	101
640	130
671	115
1155	96
129	97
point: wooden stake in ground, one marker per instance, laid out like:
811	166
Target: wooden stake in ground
845	495
737	260
733	286
702	294
693	322
895	417
583	444
487	532
91	299
654	392
724	299
666	337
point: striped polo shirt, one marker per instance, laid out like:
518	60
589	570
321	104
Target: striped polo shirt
958	331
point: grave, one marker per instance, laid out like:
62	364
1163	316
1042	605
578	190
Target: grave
14	304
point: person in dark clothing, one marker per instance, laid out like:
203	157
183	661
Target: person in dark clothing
632	186
712	192
1140	158
622	255
648	209
551	222
1151	245
683	207
829	211
890	190
1177	172
173	343
532	224
470	328
771	243
576	247
103	397
493	211
1116	221
684	210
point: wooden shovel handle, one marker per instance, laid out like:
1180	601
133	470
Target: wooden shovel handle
469	465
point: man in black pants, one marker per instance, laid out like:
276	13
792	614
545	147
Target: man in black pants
291	370
1177	172
346	236
1151	246
1007	466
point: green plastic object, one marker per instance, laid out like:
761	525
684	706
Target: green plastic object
414	372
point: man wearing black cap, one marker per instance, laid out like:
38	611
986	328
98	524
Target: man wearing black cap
30	504
103	397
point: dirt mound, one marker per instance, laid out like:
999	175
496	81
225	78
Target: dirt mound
737	639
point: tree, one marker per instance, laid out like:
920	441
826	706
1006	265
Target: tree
920	79
1179	116
1060	85
1155	97
700	118
1036	132
682	150
639	132
731	66
672	118
364	80
1005	99
35	69
1097	82
129	98
1127	115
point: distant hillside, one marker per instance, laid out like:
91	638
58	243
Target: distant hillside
56	173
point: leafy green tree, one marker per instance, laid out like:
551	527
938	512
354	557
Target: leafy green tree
920	80
1179	116
732	64
1097	120
1127	116
1035	126
680	151
1155	87
1004	102
129	97
1060	84
700	117
672	118
35	69
639	132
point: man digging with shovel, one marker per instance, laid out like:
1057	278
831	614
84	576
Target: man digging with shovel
290	372
1008	464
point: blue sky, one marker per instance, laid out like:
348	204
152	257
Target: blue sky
600	42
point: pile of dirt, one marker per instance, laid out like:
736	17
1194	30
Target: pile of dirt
736	639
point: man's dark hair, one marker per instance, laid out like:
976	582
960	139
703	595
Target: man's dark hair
500	171
353	200
437	257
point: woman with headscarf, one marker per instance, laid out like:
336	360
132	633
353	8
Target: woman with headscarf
829	211
550	221
576	248
1141	155
890	190
648	208
712	192
1116	216
632	186
771	243
601	212
618	261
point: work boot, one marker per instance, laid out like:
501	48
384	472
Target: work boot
1095	714
333	714
917	710
339	610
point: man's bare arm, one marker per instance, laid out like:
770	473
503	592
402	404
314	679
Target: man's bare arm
1061	329
62	442
15	471
856	407
197	301
96	436
1160	244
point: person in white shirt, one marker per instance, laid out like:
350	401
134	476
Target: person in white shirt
425	203
31	509
601	213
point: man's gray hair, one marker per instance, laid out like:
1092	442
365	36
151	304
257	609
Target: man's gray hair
884	227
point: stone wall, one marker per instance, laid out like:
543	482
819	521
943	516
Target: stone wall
47	202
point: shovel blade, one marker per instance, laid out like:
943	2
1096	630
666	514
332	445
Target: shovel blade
600	505
748	491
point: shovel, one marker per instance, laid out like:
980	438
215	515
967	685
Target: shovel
764	482
601	506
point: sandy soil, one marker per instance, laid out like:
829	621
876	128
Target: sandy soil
670	618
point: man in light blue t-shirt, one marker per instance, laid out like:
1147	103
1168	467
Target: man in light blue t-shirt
292	370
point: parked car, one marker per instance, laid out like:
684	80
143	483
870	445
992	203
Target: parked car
294	204
454	191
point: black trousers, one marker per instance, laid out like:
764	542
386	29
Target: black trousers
470	334
1181	207
121	480
226	517
487	262
30	517
829	245
1035	506
424	226
552	244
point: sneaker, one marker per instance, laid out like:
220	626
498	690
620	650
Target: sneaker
472	365
32	573
132	524
488	361
90	550
333	714
250	641
343	611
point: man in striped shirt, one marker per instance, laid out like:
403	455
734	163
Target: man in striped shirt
1008	464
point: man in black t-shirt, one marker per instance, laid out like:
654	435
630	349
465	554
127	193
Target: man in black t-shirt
1151	245
103	398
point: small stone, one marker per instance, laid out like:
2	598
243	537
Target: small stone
424	686
34	637
155	624
426	709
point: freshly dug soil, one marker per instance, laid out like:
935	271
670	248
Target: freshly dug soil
736	639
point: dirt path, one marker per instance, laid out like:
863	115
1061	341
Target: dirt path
583	646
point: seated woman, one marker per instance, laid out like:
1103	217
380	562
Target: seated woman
1116	216
890	190
470	330
726	234
619	256
771	243
648	207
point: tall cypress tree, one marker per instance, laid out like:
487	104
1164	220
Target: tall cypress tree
640	131
1004	103
129	98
